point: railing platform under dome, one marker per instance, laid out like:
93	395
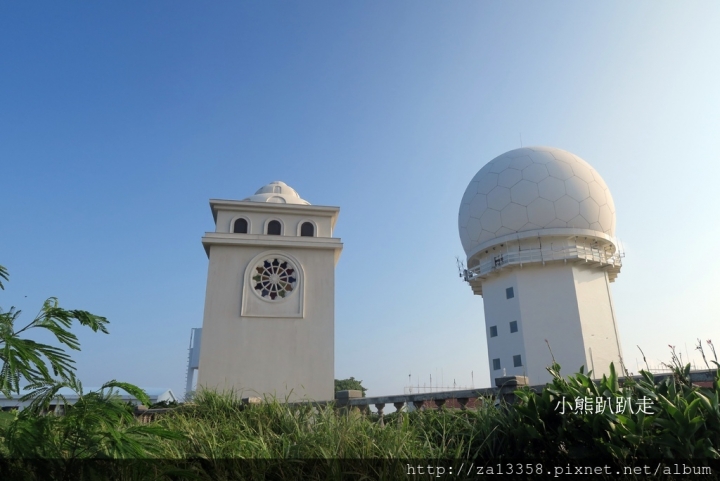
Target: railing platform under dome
513	255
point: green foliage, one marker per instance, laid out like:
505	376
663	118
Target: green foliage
3	275
164	405
35	362
219	429
212	437
97	426
678	421
681	421
349	384
670	418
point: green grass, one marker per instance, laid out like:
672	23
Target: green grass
210	438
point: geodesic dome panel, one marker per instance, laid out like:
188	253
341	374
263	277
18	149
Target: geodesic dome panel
534	188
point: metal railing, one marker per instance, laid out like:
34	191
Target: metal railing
531	256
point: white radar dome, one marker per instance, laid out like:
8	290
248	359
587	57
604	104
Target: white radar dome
277	193
534	188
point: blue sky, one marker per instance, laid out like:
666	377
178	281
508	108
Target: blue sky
118	121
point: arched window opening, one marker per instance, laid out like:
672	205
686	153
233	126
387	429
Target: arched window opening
274	228
240	226
307	229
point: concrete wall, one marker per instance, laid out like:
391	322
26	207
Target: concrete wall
597	317
291	222
550	311
281	356
256	345
499	312
566	304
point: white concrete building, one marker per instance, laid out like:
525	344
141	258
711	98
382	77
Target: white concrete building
268	326
538	227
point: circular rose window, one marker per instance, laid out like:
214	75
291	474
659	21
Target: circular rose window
275	278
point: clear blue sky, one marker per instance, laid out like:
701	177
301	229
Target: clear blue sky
119	120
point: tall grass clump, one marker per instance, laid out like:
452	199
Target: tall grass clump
218	437
663	419
678	420
221	435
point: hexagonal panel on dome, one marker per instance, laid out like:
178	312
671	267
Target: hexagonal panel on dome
567	208
541	157
559	170
535	172
605	218
485	236
597	192
482	172
563	156
541	212
487	183
556	223
598	178
478	205
464	214
498	198
583	171
610	201
515	153
491	220
504	231
551	188
500	164
521	162
464	238
533	189
590	210
514	216
530	226
524	192
473	228
469	192
578	222
577	188
509	177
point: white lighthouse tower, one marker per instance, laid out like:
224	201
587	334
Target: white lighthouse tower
538	227
268	327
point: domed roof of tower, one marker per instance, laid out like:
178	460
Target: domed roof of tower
277	193
534	188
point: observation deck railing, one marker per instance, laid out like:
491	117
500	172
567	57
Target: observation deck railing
532	256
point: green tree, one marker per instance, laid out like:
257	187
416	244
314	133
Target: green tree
348	384
37	363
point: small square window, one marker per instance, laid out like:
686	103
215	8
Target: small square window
513	326
493	331
496	364
517	361
509	293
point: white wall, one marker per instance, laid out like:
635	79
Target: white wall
283	348
291	222
499	312
566	304
598	320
